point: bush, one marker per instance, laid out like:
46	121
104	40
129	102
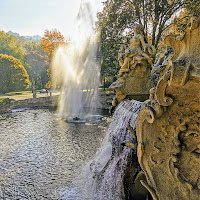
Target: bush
3	100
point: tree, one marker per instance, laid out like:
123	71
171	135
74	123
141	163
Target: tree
37	68
13	75
9	46
32	46
193	7
118	18
51	40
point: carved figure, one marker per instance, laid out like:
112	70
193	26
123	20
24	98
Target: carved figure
125	65
168	131
164	60
137	43
187	46
136	64
136	53
121	55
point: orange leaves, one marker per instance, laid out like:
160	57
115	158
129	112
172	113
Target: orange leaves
51	40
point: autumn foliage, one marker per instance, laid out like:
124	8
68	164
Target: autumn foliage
180	22
9	46
13	75
51	40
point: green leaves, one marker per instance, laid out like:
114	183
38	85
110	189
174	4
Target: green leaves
37	64
9	46
13	75
118	18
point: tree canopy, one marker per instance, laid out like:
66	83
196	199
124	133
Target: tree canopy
9	46
37	68
51	40
13	75
180	22
116	22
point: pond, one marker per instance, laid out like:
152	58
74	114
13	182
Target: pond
40	154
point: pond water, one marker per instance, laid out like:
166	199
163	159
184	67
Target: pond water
40	154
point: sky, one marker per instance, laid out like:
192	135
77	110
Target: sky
33	17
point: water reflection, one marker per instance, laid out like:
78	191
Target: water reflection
40	155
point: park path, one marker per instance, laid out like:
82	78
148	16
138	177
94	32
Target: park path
27	96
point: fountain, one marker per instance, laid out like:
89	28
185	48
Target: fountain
76	72
155	144
107	176
161	150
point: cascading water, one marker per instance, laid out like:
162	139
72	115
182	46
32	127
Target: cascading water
102	177
111	186
75	69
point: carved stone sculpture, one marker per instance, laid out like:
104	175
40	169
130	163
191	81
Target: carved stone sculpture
164	60
186	46
134	78
168	131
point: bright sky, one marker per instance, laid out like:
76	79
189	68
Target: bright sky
33	17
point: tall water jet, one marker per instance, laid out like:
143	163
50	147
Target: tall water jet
75	69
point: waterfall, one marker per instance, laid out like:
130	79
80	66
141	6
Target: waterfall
102	177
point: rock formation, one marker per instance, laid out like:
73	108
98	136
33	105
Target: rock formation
168	131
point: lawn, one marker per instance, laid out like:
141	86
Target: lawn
2	99
22	92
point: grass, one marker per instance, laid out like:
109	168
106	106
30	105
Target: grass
107	91
2	99
22	92
102	90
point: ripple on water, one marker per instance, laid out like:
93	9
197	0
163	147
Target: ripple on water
40	155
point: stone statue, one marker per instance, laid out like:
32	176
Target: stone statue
186	47
136	52
164	60
121	55
124	61
168	131
134	78
162	65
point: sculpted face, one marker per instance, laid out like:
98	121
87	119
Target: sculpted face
189	158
